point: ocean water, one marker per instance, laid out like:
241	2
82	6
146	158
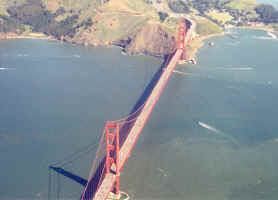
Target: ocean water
212	135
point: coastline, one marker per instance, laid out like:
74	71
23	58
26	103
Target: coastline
259	28
205	37
200	40
29	36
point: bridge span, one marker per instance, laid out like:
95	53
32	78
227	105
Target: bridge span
125	150
120	136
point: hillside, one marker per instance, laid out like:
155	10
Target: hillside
127	23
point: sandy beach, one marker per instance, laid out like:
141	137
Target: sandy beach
40	36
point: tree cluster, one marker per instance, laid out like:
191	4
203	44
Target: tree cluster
201	5
178	6
152	1
204	5
35	15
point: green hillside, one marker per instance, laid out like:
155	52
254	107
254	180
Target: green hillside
242	5
104	21
5	4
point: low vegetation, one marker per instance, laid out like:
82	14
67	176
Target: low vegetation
33	16
104	21
220	17
179	6
227	12
241	5
192	47
206	27
114	27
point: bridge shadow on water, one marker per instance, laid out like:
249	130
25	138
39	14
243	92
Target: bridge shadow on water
139	105
148	90
126	127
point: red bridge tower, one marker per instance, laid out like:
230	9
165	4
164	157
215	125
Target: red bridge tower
182	37
112	154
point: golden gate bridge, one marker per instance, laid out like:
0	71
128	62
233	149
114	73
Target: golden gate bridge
120	136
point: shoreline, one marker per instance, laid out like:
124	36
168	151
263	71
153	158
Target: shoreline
31	36
192	53
205	37
258	28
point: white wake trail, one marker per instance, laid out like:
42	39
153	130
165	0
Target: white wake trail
183	73
230	68
5	68
239	69
209	127
188	74
272	36
218	132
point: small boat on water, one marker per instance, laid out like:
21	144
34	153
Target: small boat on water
211	44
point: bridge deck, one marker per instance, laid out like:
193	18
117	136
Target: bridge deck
135	131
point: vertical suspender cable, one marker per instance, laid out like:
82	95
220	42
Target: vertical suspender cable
58	186
49	184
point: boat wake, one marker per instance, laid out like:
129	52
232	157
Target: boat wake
76	56
5	68
22	55
233	43
190	74
218	132
263	38
271	36
231	68
239	69
211	128
185	73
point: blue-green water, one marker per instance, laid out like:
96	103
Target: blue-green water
272	2
212	135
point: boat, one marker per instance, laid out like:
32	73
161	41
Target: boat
211	44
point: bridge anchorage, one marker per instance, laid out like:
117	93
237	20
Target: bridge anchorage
119	137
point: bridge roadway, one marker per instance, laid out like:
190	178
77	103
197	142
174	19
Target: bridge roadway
125	150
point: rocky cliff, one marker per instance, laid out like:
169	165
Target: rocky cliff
153	40
134	25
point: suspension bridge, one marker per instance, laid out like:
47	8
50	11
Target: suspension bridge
120	136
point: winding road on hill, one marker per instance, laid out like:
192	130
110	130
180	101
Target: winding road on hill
163	7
